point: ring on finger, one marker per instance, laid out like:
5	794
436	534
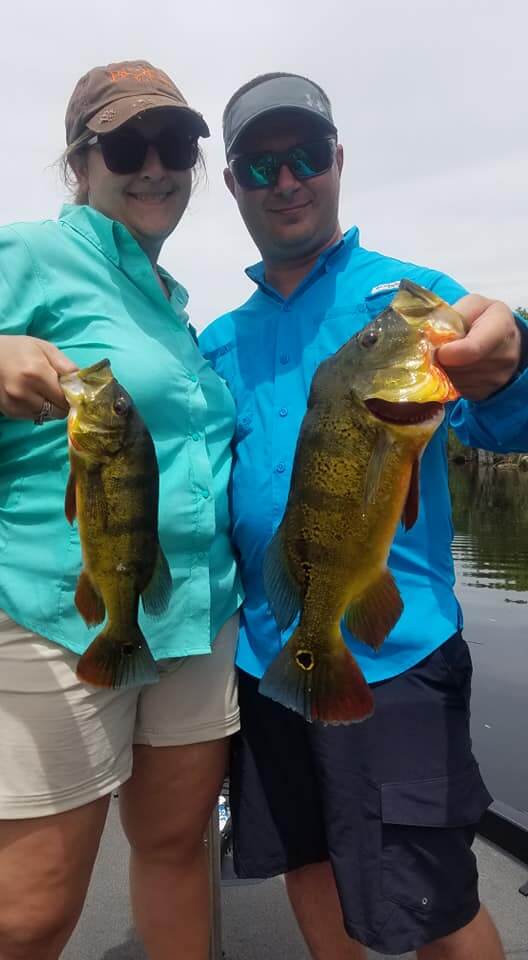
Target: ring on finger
45	413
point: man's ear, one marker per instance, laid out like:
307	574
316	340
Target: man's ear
340	158
229	180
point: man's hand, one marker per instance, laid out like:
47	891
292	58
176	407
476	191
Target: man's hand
488	356
29	375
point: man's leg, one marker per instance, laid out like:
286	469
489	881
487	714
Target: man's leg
478	940
313	896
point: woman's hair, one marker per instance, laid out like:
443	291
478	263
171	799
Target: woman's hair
78	193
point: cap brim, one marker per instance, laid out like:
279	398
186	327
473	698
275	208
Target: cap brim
114	115
313	115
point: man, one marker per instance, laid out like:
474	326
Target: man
371	823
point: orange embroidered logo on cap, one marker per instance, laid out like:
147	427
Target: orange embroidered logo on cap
140	74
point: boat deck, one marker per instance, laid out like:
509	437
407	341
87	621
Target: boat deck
256	918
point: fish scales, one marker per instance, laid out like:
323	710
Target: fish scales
372	408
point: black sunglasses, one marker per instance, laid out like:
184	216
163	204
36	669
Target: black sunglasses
256	171
124	150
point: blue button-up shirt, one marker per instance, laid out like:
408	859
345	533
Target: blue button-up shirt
268	351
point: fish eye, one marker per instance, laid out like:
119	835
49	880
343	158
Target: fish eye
121	406
369	338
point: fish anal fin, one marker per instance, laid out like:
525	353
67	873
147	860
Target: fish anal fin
88	602
284	594
324	686
112	662
70	499
410	509
376	465
372	615
156	595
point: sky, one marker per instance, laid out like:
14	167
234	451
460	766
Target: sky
429	97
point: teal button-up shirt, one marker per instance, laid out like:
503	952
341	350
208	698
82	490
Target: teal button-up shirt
84	284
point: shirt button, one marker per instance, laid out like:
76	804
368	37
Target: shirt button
284	358
204	492
283	412
280	468
193	378
195	436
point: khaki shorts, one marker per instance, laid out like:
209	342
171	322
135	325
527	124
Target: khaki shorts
64	743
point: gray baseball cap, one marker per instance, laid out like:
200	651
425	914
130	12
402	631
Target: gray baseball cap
286	92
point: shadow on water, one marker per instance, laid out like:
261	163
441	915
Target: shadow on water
490	548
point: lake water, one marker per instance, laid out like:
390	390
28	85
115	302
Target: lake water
490	514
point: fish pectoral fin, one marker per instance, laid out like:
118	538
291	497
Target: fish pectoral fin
118	657
410	509
327	686
376	465
88	602
156	595
70	499
283	593
373	615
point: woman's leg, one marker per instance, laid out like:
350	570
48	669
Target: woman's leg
45	868
165	808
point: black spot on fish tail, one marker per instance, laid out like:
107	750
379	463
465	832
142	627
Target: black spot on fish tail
323	684
116	661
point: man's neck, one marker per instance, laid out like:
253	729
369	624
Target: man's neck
286	275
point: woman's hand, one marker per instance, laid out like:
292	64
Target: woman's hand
29	378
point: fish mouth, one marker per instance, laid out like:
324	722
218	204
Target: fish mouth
406	413
85	383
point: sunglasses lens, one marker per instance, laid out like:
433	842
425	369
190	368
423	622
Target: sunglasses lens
123	151
257	171
176	151
311	159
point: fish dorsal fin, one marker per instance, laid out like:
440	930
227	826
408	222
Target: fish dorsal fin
410	509
283	592
376	465
372	615
157	593
414	301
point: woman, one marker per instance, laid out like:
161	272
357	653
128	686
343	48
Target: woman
74	291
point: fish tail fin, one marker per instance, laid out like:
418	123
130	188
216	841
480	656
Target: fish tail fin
328	686
110	662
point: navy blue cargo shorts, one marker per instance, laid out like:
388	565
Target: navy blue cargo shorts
393	802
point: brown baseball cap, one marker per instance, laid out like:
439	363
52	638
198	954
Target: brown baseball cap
107	97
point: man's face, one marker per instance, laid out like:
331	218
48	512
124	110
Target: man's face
294	218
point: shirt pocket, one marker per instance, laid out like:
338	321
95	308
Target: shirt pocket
427	831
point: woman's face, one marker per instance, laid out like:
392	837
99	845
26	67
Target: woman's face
150	202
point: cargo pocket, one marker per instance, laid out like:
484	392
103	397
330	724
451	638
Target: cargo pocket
427	829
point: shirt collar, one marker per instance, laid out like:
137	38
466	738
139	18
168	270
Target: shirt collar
117	243
325	261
